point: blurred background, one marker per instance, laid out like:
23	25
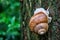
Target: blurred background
10	20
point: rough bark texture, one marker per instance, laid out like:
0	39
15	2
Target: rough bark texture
27	11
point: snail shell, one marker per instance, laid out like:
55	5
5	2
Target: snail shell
39	22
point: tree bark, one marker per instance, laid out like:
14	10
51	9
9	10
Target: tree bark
28	8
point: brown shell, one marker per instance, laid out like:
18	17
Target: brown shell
41	26
37	19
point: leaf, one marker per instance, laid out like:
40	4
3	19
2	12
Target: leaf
12	20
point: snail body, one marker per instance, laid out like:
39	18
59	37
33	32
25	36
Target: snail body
39	21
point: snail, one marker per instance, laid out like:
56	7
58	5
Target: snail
39	21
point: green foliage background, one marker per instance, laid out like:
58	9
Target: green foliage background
9	19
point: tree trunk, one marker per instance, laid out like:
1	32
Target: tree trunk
28	8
